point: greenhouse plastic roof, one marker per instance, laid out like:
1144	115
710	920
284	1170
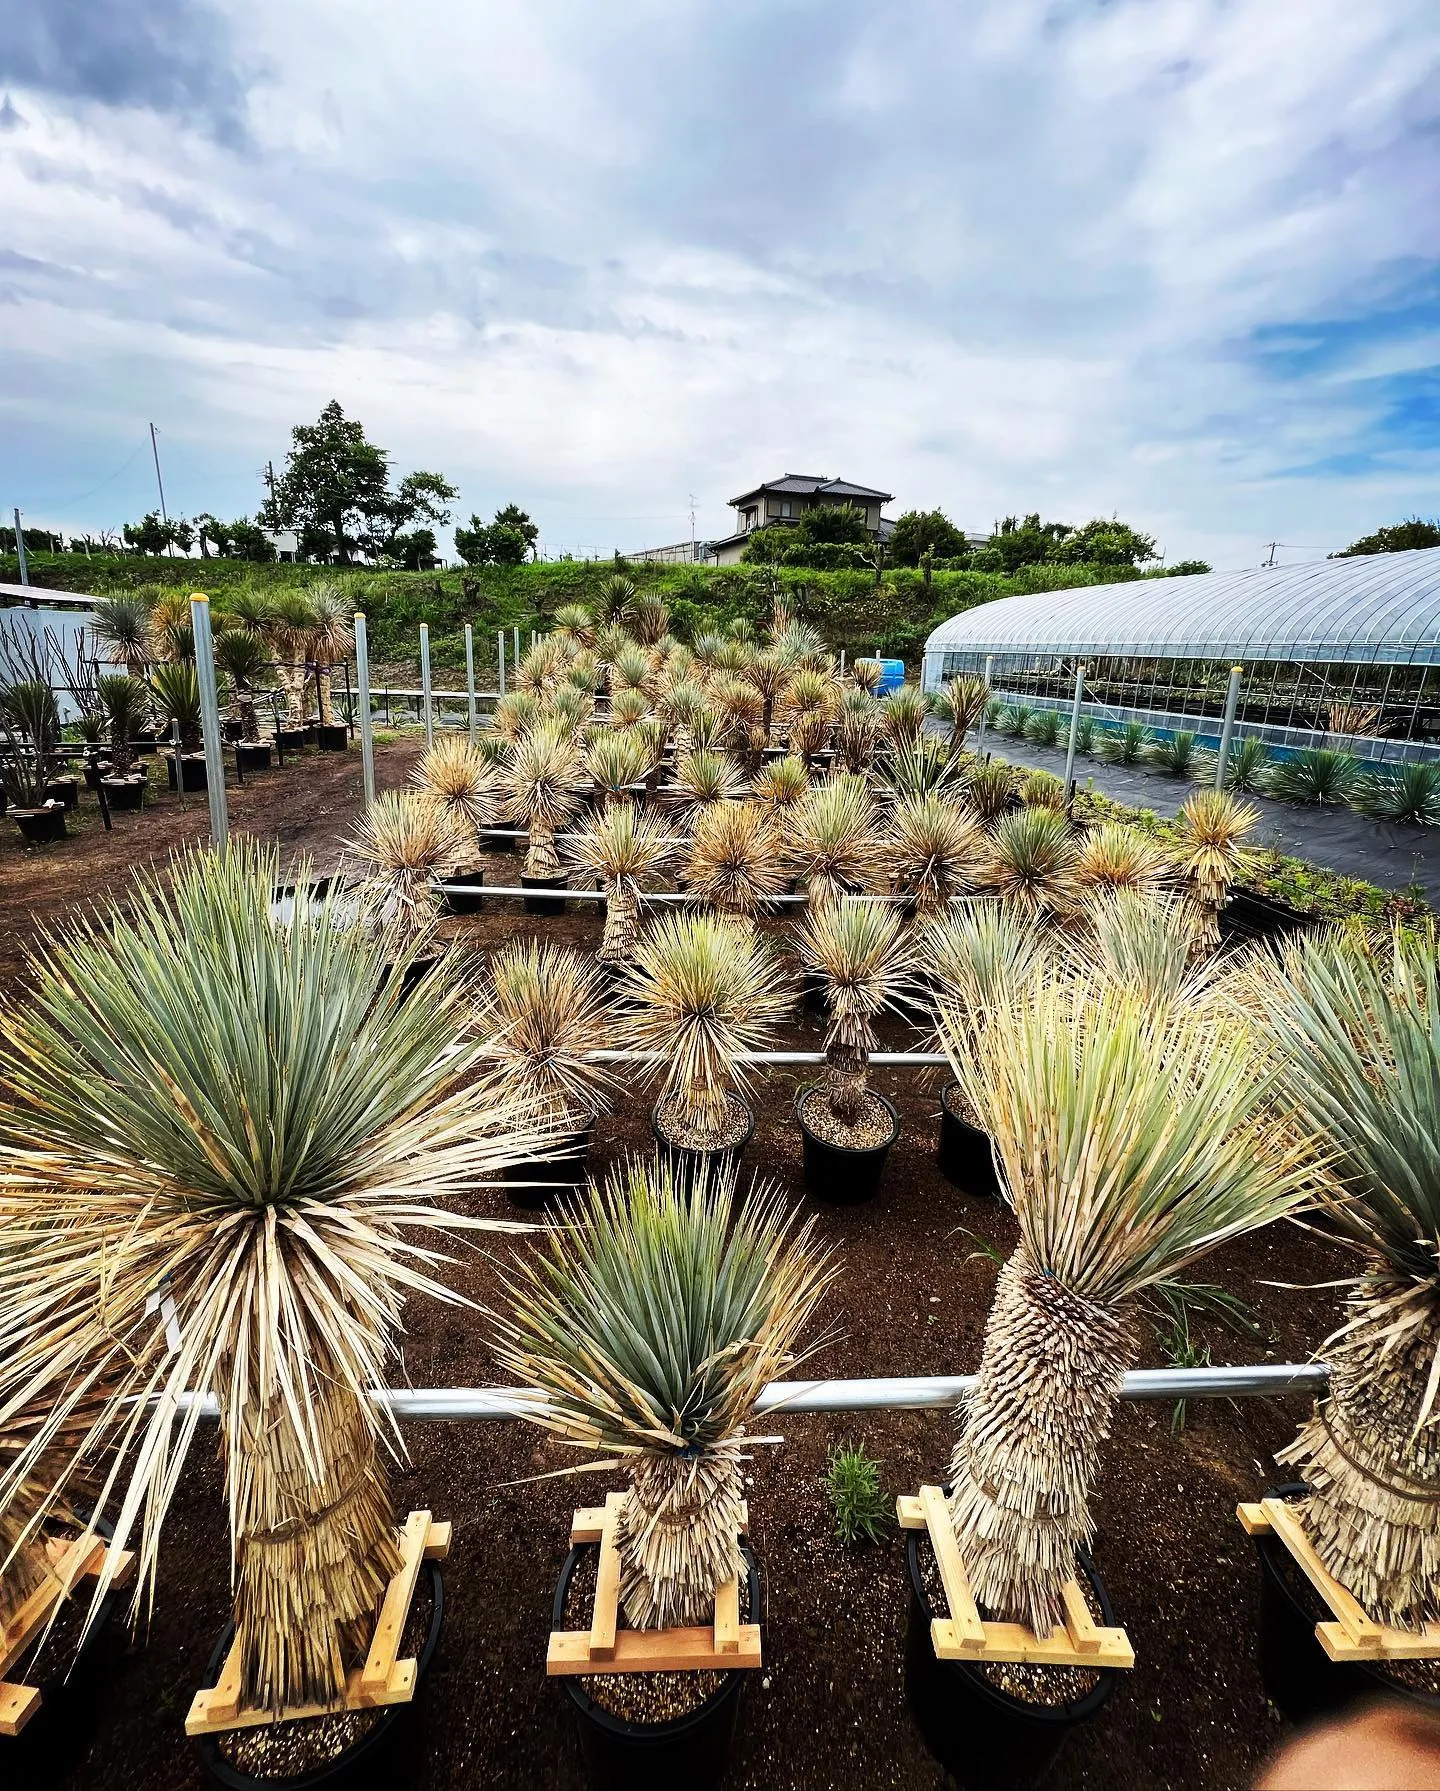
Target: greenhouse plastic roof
1380	608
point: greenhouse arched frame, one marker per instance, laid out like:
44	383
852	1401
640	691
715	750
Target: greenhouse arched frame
1343	653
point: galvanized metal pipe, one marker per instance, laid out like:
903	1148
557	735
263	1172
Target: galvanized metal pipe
876	1059
367	730
470	677
209	723
425	683
1074	726
1227	727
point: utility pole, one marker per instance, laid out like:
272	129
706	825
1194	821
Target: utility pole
155	450
692	528
1271	560
20	549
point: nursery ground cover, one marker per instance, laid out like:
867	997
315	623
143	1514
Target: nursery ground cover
916	1288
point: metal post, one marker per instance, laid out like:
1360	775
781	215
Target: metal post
989	669
367	732
1074	724
470	675
20	549
425	683
210	722
1227	727
515	640
500	643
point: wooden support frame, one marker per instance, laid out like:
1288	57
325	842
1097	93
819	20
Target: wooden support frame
965	1635
1352	1635
70	1560
381	1680
606	1648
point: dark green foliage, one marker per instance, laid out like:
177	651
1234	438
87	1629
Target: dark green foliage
1044	727
1316	774
1125	746
1175	755
1085	732
175	693
1249	764
862	1511
920	531
1111	545
1181	569
1174	1303
508	541
1411	795
1398	537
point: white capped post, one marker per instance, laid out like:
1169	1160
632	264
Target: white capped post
210	721
989	672
1074	724
515	642
425	682
20	549
500	647
470	675
1227	727
367	731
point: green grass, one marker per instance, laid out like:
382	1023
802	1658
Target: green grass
862	1510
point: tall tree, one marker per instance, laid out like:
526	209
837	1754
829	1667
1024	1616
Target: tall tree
920	531
1397	537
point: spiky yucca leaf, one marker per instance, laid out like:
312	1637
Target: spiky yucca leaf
961	702
939	850
735	859
975	955
620	845
276	1119
920	767
833	840
575	624
1115	856
1146	941
1032	862
700	993
404	841
650	1323
546	778
703	779
902	714
462	781
867	674
1412	795
1213	825
628	707
860	952
615	761
992	790
516	713
782	783
1111	1195
541	1013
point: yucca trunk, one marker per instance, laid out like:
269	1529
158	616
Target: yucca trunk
249	727
541	858
313	1554
1374	1471
1204	924
323	678
845	1086
1050	1375
677	1536
622	924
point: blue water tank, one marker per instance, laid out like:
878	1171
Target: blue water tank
892	675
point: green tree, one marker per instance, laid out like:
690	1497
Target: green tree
833	522
1397	537
1102	543
508	541
921	531
149	535
1016	543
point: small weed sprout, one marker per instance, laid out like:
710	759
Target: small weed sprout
862	1511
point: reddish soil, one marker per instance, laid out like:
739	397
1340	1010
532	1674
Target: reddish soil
829	1710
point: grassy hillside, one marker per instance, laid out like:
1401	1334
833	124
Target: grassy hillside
846	607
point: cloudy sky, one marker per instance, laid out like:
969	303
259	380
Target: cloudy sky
1178	259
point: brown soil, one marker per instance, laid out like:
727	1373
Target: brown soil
828	1710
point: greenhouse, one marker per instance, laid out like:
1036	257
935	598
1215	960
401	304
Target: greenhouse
1341	653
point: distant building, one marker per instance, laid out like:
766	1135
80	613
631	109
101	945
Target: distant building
286	543
785	501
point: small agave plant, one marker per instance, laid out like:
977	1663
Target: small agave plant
650	1323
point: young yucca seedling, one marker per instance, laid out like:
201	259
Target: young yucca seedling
902	714
546	778
960	702
404	840
628	707
862	1510
1043	728
621	846
1115	856
1125	746
1032	863
286	1118
1412	795
857	730
650	1323
618	761
516	713
700	994
1213	823
859	951
701	780
833	840
1176	754
1085	732
1111	1195
735	859
1315	774
541	1013
992	790
465	784
782	783
939	850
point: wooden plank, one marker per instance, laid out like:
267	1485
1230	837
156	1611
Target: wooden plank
1079	1624
1253	1520
1014	1642
588	1522
909	1512
437	1541
395	1607
651	1651
606	1614
399	1689
1363	1631
969	1630
18	1703
727	1617
222	1703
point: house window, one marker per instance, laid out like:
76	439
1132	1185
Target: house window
787	508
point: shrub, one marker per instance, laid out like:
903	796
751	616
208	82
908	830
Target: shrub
1175	755
1125	746
1315	774
1413	795
1044	727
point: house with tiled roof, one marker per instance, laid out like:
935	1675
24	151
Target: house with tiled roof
784	501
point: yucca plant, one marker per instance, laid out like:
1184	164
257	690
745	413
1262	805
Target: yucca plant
860	954
857	730
648	618
833	842
700	994
615	599
617	761
678	705
960	702
29	716
627	708
404	841
992	790
541	1014
332	635
1043	727
1111	1195
621	847
920	767
801	645
1248	766
1357	1037
1314	774
1177	754
976	955
735	862
1032	863
1085	735
1213	826
1008	720
125	703
245	660
902	714
175	697
650	1323
630	670
464	783
172	631
938	850
741	711
571	707
808	691
1125	746
575	625
769	672
541	665
516	713
122	632
1042	789
1349	719
1114	856
545	775
1145	940
782	783
701	780
1412	795
809	734
283	1119
707	732
867	674
585	672
290	629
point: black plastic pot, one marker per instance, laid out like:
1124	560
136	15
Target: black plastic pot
687	1163
64	790
292	739
1300	1678
125	792
252	755
845	1174
542	904
415	972
980	1733
463	901
369	1761
192	769
690	1754
332	736
966	1159
540	1181
39	826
